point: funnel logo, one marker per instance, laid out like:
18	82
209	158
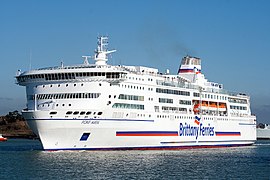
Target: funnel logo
197	120
197	130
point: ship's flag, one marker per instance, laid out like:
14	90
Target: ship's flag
197	120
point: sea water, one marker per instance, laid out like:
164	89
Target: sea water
24	159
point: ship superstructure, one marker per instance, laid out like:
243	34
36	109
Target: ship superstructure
101	106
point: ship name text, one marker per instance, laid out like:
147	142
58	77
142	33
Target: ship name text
189	130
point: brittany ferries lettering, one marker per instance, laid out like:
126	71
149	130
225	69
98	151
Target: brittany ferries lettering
98	106
189	130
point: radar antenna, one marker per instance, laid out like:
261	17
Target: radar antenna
101	53
86	59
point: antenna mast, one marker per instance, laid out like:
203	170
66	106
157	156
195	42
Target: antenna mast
30	60
101	53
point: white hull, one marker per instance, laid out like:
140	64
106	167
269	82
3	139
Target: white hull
105	134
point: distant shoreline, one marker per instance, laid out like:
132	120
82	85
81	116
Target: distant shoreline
13	125
20	136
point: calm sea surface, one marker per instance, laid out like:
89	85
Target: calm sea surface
24	159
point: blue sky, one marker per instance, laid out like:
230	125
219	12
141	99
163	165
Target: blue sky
231	37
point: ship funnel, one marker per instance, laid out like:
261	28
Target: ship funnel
190	65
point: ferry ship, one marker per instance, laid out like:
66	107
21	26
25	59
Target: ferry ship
118	107
263	131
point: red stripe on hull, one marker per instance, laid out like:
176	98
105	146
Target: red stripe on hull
146	134
228	135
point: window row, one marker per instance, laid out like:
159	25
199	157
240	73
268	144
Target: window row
185	102
235	100
83	113
131	97
174	109
64	96
140	79
238	107
133	87
211	96
170	91
128	106
63	76
165	100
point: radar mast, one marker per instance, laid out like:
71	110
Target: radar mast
101	53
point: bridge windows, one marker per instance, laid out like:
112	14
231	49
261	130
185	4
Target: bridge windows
67	96
71	75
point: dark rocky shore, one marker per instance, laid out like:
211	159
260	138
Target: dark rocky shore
13	125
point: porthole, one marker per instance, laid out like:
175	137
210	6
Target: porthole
82	113
100	113
69	112
76	112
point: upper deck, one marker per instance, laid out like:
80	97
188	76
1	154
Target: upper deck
189	76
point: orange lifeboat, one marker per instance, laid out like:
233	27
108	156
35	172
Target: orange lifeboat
213	105
196	108
222	107
204	104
